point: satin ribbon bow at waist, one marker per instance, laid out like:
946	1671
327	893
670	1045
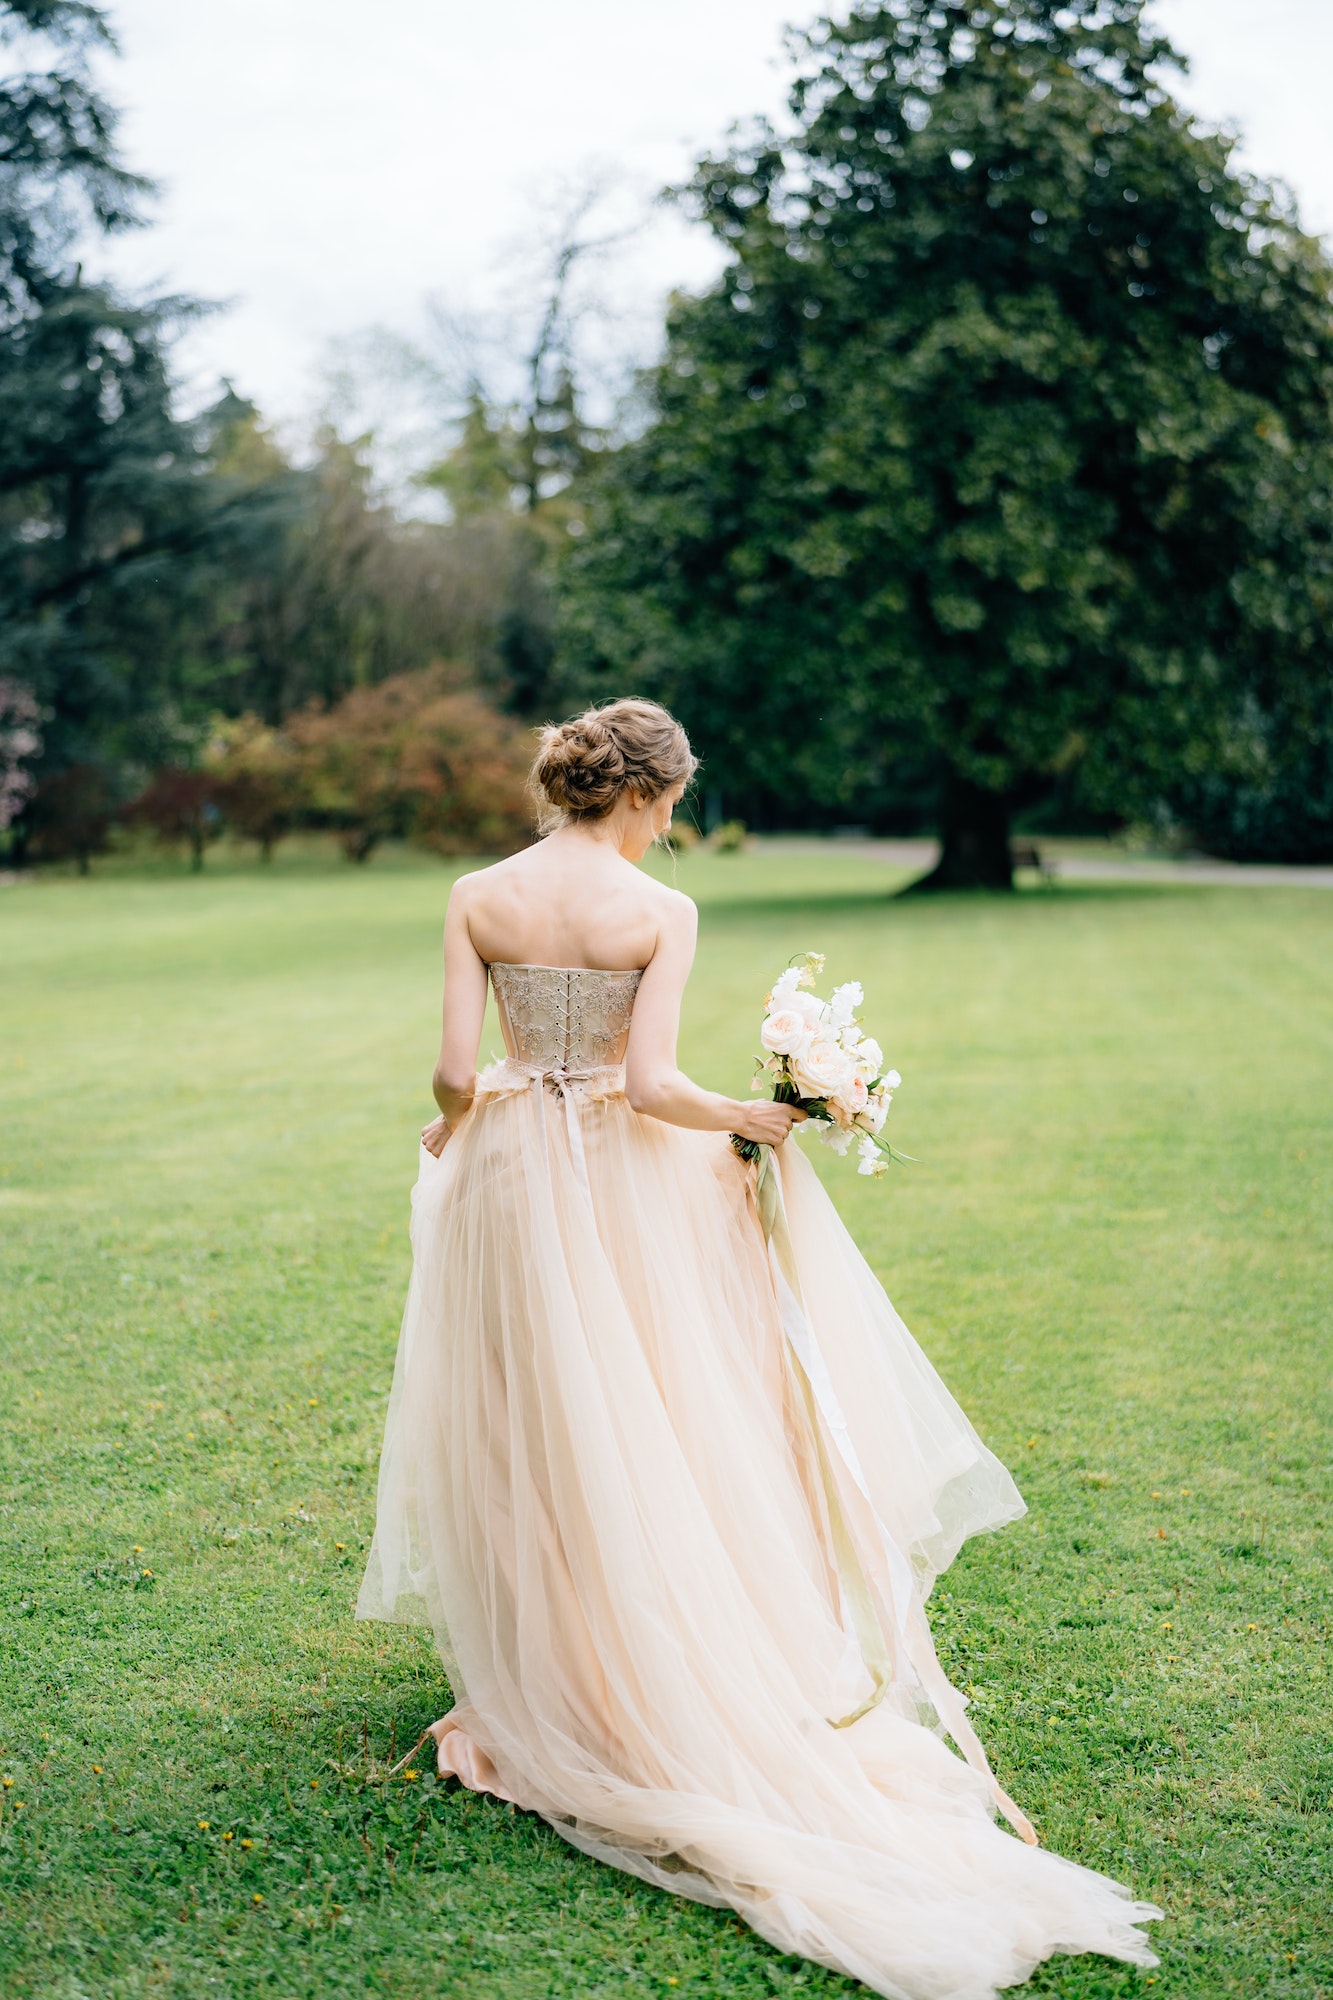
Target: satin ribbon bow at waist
593	1084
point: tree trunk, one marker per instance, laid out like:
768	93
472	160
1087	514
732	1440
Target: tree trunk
974	839
359	843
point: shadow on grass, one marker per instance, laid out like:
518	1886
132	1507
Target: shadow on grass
875	897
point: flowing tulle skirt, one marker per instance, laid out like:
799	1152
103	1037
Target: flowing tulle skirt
605	1489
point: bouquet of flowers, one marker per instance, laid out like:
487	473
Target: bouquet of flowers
819	1059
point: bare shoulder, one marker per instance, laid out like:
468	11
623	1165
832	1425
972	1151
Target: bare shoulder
676	913
479	885
463	893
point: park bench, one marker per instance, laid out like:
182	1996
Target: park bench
1026	854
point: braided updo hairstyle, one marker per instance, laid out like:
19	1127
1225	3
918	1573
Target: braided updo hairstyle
584	765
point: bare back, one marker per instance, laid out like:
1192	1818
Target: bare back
573	900
577	900
570	903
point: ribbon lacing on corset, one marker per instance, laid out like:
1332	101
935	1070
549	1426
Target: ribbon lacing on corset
594	1084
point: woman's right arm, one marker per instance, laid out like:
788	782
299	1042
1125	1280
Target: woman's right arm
455	1075
654	1082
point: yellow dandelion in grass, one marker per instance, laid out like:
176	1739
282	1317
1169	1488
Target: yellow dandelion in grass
137	1550
1154	1496
97	1772
340	1545
229	1836
1167	1626
7	1783
1248	1628
18	1805
146	1572
256	1899
247	1843
1171	1659
313	1403
204	1826
411	1774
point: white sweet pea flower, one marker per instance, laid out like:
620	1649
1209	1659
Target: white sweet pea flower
871	1119
870	1055
784	986
835	1137
868	1160
844	1002
786	1032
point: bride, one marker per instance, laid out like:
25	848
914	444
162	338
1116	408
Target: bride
675	1623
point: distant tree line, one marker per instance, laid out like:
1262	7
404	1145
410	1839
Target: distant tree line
188	619
991	485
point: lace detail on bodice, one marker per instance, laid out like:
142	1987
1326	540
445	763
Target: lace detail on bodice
564	1017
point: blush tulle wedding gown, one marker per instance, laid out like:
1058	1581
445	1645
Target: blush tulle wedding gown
670	1493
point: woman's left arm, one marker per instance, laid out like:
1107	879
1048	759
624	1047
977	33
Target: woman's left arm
654	1081
455	1075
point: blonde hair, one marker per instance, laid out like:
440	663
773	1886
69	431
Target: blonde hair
583	765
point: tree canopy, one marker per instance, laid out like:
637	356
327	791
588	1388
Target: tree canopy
1004	439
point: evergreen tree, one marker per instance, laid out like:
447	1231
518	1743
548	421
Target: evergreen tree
114	523
1005	436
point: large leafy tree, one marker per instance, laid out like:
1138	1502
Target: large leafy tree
1005	436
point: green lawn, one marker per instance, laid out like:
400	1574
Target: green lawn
1116	1247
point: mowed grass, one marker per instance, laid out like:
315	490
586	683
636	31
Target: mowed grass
1116	1246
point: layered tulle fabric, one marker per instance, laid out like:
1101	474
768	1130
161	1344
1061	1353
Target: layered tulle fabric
605	1489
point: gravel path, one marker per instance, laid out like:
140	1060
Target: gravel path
921	854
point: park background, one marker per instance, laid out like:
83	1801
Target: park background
969	494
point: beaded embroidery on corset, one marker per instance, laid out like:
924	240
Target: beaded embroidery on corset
571	1018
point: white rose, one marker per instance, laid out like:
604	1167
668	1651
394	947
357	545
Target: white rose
785	1032
822	1069
808	1007
854	1096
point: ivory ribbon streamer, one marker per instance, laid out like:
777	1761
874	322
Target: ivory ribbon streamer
508	1078
829	1427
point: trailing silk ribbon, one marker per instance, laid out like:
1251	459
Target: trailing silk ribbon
510	1077
828	1426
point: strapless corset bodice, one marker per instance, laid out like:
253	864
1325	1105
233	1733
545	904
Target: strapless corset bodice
570	1018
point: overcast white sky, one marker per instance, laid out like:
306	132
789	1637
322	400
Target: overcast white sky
325	164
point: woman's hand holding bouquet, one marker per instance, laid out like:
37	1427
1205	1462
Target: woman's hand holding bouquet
821	1064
